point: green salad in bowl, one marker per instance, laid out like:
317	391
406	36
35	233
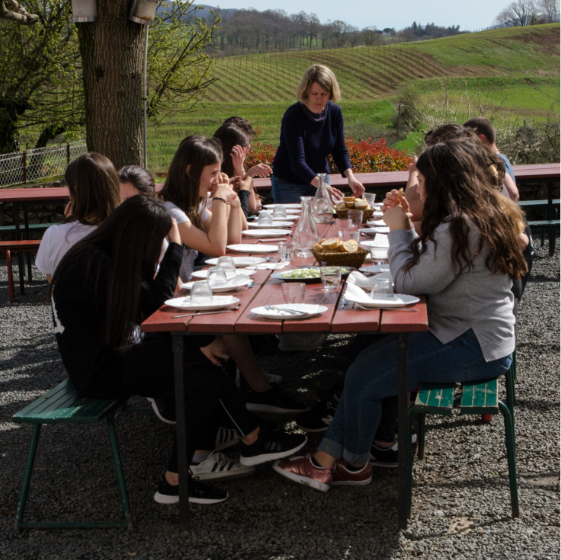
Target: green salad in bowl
305	273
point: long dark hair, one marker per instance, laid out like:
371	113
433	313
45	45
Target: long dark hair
132	239
139	178
457	186
183	189
230	136
93	185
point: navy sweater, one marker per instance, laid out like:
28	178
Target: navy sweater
305	145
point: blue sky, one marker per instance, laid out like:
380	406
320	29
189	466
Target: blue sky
470	15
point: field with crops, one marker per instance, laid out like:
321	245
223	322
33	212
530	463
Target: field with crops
512	72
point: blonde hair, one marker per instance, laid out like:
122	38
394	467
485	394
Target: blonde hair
324	77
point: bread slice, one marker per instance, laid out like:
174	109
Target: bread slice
349	246
331	244
361	204
317	247
340	205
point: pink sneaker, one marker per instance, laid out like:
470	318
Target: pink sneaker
303	471
344	477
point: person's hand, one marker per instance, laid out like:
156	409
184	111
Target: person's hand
334	194
215	351
225	191
173	235
413	165
238	157
260	170
398	216
356	186
235	183
393	198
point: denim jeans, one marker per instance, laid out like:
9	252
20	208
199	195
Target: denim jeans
373	376
285	192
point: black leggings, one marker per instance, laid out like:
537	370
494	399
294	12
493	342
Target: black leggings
148	370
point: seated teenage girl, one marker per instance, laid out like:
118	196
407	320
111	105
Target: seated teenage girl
103	288
465	259
93	186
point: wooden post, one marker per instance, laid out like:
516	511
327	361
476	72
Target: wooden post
24	164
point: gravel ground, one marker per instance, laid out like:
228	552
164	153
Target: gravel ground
462	482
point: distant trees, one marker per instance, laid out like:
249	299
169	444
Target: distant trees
418	32
528	12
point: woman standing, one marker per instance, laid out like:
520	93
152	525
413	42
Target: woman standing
312	129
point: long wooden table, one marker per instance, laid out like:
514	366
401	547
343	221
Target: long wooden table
340	318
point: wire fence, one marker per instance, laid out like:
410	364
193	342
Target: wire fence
39	163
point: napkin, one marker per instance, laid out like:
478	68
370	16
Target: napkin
269	266
357	293
360	280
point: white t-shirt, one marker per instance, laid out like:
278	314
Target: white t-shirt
56	242
189	255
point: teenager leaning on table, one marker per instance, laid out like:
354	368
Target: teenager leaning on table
465	259
311	130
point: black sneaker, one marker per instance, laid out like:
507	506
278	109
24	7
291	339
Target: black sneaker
318	418
199	493
384	457
164	410
270	446
273	400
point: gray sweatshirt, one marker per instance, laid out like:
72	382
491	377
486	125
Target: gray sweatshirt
477	299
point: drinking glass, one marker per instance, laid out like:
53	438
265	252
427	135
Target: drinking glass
330	277
216	277
201	294
379	256
279	212
293	292
356	217
265	219
285	249
227	263
370	198
382	289
343	227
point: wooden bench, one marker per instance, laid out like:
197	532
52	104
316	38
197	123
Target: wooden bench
27	245
479	398
62	405
552	227
32	227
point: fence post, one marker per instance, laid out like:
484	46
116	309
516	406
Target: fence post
24	162
67	155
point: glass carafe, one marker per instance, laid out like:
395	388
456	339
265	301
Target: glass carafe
306	234
321	206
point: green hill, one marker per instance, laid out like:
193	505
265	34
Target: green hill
516	69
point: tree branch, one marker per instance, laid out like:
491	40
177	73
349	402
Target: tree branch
13	11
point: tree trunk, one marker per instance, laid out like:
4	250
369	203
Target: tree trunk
112	59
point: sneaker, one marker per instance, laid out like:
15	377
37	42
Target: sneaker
318	418
273	400
303	471
384	457
271	377
342	476
164	411
218	467
226	437
199	493
270	446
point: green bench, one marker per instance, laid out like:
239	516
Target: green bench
479	398
547	223
552	227
32	227
62	405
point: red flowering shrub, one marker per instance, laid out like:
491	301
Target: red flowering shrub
367	156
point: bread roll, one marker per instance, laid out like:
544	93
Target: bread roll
317	247
350	246
331	244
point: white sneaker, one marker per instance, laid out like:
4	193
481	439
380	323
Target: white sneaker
225	438
218	467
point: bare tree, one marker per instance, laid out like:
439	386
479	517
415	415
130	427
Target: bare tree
12	10
519	13
549	10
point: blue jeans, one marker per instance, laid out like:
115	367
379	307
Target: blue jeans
373	376
285	192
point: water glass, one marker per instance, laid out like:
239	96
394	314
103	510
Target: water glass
228	264
370	198
293	292
265	219
285	250
201	294
216	277
356	217
379	256
330	277
382	289
279	212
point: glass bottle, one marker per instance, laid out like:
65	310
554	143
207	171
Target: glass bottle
321	205
305	235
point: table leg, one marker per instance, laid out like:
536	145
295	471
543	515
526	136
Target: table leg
181	433
403	500
28	255
20	253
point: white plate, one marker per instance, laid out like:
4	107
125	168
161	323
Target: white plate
277	313
204	273
240	261
264	233
376	268
377	215
289	205
381	242
219	302
248	248
294	213
400	300
376	223
230	286
255	225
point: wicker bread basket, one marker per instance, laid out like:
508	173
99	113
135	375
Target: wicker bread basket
336	258
366	214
